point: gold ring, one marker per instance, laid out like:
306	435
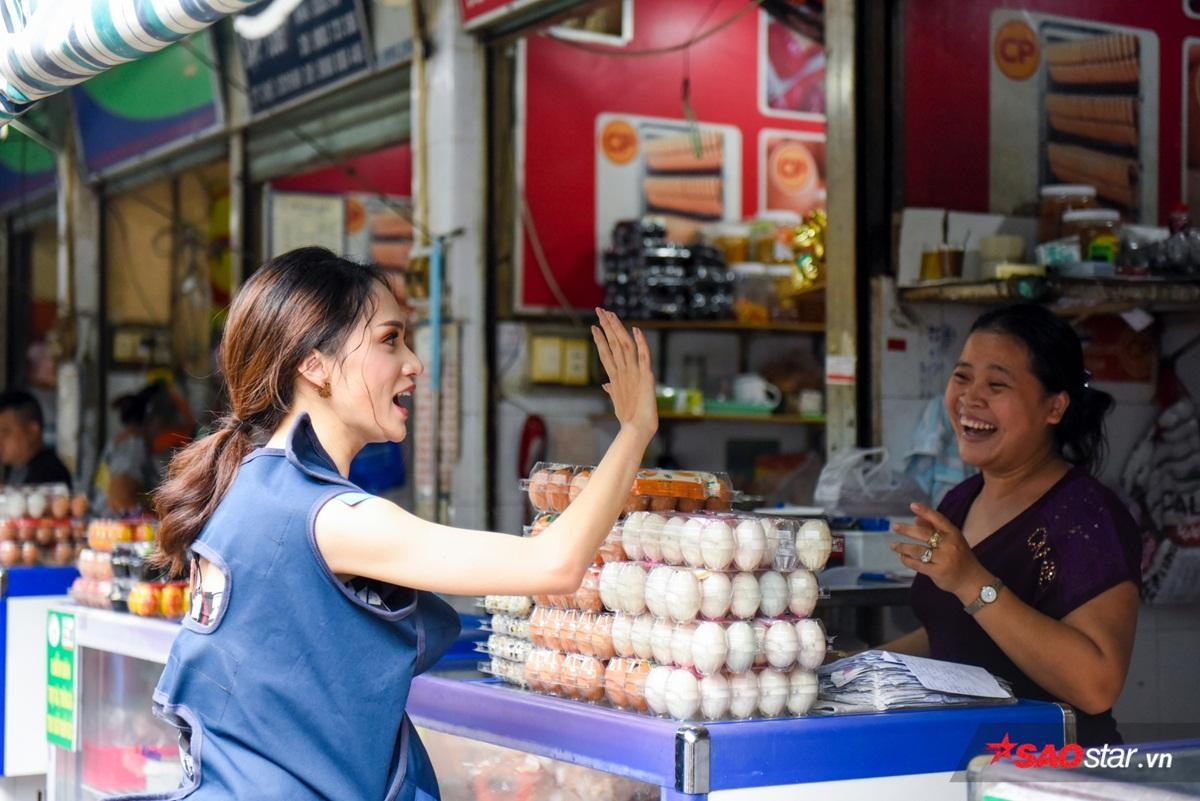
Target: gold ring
935	539
927	557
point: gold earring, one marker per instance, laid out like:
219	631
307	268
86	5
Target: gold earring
324	391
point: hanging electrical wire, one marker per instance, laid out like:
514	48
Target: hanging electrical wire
625	52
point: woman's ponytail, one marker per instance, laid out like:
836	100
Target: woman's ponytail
1080	435
196	483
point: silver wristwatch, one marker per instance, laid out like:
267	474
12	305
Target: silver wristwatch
987	594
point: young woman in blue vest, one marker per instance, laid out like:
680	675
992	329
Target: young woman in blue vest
312	602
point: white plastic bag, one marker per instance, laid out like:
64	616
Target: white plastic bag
857	482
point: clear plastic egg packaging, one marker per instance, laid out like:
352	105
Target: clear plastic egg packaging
726	541
576	676
573	631
586	597
684	593
502	646
552	486
515	605
681	694
507	671
509	625
609	551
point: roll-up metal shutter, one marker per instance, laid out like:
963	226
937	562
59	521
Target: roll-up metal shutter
362	117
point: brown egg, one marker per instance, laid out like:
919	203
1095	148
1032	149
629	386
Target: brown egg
10	552
614	682
540	523
602	643
583	632
662	503
533	676
587	597
578	482
635	685
589	678
539	483
689	504
570	675
43	535
30	554
541	600
26	530
611	549
64	553
558	493
553	672
8	530
63	531
60	506
79	506
722	499
636	503
567	631
537	626
552	631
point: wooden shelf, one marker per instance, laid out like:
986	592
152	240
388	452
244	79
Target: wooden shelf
1070	296
741	418
727	325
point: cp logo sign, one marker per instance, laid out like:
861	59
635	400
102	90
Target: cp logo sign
1016	50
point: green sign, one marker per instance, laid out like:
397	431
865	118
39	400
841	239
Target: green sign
62	703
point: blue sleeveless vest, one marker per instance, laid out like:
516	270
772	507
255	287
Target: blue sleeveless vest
295	687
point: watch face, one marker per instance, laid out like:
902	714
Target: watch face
988	594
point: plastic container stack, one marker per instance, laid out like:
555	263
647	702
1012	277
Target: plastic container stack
508	642
686	614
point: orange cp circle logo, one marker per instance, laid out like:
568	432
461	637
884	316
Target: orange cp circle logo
619	142
1016	50
792	167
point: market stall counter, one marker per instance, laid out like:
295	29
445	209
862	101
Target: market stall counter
917	754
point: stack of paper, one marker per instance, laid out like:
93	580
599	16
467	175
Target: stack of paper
874	681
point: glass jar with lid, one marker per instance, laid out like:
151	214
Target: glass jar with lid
1056	199
752	293
771	236
1097	232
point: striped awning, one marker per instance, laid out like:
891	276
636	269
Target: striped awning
49	45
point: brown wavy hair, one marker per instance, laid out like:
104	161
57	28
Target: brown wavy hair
304	300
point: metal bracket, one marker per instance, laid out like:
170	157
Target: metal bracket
3	583
692	758
1070	721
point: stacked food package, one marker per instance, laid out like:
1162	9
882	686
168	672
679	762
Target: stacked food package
690	611
115	572
40	525
508	642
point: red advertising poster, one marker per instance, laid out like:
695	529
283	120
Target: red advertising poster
1001	97
603	137
1112	351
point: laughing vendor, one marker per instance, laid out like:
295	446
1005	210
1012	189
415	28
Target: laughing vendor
1029	569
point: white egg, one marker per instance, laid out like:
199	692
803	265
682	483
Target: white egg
643	627
622	634
656	590
773	593
656	689
652	526
782	644
802	592
716	592
660	640
743	695
683	695
631	535
810	636
683	595
772	692
631	588
814	542
714	697
16	503
771	535
741	647
759	627
689	541
681	645
709	648
802	691
36	503
716	545
745	597
609	591
749	544
670	540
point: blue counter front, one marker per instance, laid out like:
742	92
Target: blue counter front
919	754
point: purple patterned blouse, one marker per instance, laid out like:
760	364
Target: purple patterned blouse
1070	545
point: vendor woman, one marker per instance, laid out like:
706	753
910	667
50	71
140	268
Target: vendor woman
1030	568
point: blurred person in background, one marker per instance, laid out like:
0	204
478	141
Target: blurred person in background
25	457
127	472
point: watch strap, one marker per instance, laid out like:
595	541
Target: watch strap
979	602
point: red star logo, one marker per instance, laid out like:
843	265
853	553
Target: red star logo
1002	749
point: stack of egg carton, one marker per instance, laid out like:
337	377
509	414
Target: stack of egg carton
713	615
508	645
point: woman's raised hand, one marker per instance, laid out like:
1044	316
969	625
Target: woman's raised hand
631	383
942	553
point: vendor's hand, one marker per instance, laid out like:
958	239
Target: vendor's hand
631	383
952	566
